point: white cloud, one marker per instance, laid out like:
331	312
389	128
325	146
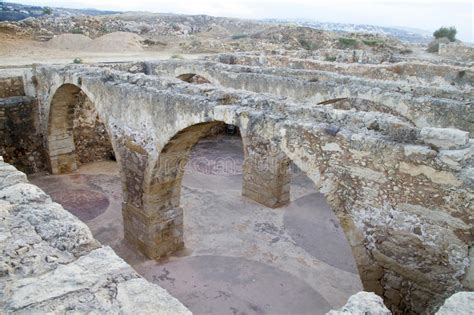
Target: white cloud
423	14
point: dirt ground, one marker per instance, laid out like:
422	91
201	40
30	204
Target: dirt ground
16	52
240	257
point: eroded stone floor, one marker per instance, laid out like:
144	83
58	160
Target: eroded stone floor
240	257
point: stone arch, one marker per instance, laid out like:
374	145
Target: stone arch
156	228
330	182
266	171
315	156
60	145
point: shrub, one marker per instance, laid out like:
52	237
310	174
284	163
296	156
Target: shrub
77	60
347	42
176	57
76	30
372	42
330	58
448	32
305	44
239	36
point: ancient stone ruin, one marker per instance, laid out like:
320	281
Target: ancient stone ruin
389	146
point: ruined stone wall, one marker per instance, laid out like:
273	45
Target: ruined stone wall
423	105
20	141
91	140
456	51
50	263
415	72
11	86
343	55
132	67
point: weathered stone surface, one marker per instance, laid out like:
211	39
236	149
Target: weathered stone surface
136	292
445	138
456	51
88	271
50	263
21	143
91	140
461	303
413	71
468	281
11	86
366	303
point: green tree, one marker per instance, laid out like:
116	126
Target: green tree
448	32
47	11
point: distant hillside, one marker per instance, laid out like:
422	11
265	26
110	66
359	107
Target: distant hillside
409	35
16	12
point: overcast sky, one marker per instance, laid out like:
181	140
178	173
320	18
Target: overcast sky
422	14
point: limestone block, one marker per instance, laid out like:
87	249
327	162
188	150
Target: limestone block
150	299
461	303
23	193
86	272
445	138
366	303
455	157
10	176
12	179
469	279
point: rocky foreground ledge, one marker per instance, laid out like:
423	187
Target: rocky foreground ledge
50	261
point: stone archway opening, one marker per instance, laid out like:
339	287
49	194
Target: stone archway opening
76	135
240	253
193	78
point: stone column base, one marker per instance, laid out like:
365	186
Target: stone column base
154	236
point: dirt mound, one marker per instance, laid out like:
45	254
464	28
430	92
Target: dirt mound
69	42
117	42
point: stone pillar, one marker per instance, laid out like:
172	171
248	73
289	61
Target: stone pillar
154	235
155	222
60	140
61	153
152	218
156	227
266	173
